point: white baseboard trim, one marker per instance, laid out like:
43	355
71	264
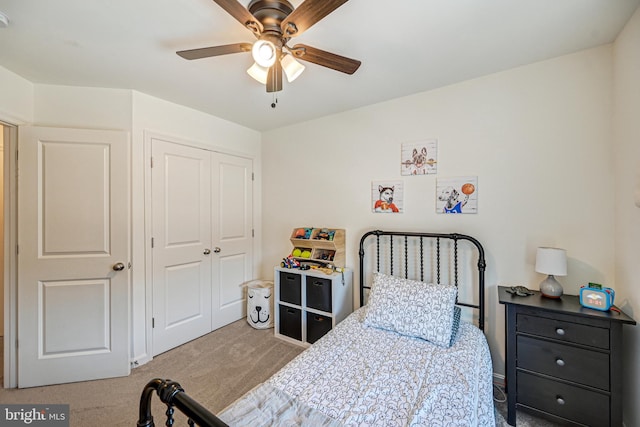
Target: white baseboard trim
140	360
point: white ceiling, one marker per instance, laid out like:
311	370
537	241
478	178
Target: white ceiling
406	46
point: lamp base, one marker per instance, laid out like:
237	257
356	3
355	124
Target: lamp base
550	287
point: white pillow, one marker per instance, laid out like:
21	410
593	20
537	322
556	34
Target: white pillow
412	308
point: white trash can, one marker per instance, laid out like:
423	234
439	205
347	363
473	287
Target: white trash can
259	303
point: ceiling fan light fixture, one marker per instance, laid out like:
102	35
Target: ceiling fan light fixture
264	53
291	67
259	73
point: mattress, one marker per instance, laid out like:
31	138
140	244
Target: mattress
363	376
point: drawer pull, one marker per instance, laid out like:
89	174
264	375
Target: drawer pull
560	400
560	331
559	362
317	283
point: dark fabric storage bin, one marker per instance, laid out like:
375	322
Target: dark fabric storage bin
290	322
317	326
290	288
319	293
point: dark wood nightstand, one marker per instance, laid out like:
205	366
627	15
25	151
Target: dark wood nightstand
563	361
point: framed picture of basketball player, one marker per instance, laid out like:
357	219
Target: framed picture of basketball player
387	196
457	195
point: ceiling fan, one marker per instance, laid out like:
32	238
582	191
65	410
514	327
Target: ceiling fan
274	23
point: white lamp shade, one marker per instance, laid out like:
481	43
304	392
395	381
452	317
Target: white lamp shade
264	53
551	261
259	73
291	67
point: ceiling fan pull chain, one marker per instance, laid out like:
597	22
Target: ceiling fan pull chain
274	94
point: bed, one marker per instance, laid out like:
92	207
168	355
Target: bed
409	356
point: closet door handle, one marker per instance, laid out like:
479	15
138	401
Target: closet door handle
217	250
207	251
118	267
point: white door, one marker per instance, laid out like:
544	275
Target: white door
181	211
73	240
232	178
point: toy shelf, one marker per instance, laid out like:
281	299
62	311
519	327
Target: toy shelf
325	245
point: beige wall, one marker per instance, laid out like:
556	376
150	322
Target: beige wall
538	138
16	99
626	144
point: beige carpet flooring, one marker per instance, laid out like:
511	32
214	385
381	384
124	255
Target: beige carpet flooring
215	369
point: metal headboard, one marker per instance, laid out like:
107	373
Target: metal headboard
399	240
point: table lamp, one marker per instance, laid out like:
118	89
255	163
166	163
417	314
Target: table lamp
551	261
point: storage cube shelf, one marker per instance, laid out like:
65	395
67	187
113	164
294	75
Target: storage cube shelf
325	245
310	303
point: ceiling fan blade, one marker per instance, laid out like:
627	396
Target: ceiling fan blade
206	52
242	15
307	14
326	59
274	78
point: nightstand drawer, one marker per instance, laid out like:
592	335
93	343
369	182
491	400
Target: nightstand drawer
583	366
564	331
563	400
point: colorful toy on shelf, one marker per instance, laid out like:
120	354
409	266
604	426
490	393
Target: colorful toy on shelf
325	270
325	234
303	233
290	262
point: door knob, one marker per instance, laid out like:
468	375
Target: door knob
207	251
217	250
118	267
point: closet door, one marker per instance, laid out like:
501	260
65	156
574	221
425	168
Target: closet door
232	189
202	216
181	223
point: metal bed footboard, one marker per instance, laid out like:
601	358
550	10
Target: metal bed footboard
402	247
172	395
